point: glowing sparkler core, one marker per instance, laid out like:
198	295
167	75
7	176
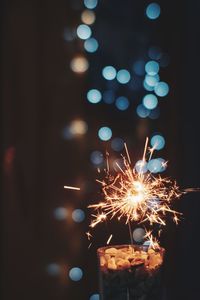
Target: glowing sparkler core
134	196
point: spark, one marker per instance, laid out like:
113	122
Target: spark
127	153
109	239
89	236
98	219
136	197
153	242
89	245
71	188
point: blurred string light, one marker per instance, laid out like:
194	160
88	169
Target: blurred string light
117	144
109	72
156	165
91	4
78	215
60	213
138	235
84	32
153	11
142	111
105	133
150	101
78	127
158	142
122	103
152	67
163	164
53	269
91	45
96	157
94	96
75	129
123	76
147	87
79	64
161	89
88	17
109	96
95	297
152	80
75	274
141	166
139	67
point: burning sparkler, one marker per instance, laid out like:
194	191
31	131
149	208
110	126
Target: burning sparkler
136	196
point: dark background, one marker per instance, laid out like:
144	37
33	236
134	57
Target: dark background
40	95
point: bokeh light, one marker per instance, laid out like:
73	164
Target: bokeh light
138	235
109	72
88	17
94	96
84	32
122	103
154	52
117	144
109	96
75	129
95	297
96	157
154	113
141	166
152	80
78	215
60	213
79	64
78	127
156	165
150	101
139	67
91	4
147	87
123	76
53	269
147	243
158	142
91	45
163	164
161	89
69	34
142	111
152	67
75	274
105	133
153	11
66	134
